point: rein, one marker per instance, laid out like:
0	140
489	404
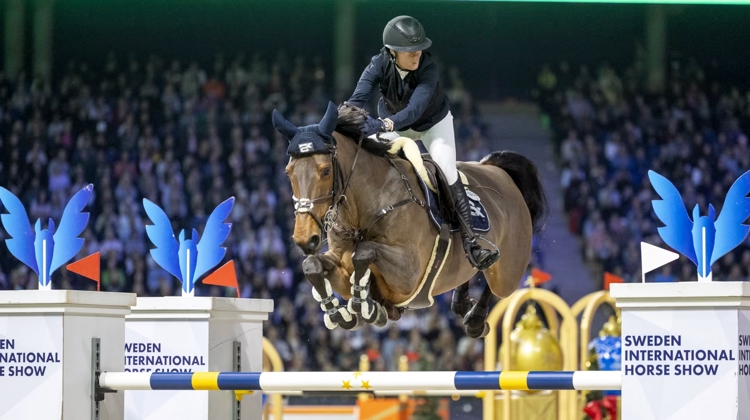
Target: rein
412	199
357	235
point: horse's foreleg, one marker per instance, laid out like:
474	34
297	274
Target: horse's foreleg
361	301
335	314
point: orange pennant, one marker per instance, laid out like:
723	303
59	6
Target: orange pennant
89	267
224	276
540	276
610	278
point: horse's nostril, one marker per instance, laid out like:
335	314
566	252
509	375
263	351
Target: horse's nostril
313	243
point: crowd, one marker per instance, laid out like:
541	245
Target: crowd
187	136
609	131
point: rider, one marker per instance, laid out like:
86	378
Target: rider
414	105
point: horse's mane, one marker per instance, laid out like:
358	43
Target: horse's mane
349	125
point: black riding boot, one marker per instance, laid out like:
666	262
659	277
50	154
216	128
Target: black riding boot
480	258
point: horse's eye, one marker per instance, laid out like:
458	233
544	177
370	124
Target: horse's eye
325	172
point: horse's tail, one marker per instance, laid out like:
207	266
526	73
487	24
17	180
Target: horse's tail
526	177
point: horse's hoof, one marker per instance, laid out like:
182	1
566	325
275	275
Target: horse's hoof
349	325
476	322
478	331
380	317
343	318
331	325
358	322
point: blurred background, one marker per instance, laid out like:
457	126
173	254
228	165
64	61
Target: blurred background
170	100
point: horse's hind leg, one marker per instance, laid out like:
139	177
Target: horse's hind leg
475	320
461	303
335	314
361	302
500	281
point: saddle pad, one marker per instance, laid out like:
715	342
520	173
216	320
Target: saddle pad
480	222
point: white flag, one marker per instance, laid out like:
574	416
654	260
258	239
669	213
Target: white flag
653	257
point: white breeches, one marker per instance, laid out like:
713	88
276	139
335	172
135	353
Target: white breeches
440	141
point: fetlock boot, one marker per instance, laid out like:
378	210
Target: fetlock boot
479	257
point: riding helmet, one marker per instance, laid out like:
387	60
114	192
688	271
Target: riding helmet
405	34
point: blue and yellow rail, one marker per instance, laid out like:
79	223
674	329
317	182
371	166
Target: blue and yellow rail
362	381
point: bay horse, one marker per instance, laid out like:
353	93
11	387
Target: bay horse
382	243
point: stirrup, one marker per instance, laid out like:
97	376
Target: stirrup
494	256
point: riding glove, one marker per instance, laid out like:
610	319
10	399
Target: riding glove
372	126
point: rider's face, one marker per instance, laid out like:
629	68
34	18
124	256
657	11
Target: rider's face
408	60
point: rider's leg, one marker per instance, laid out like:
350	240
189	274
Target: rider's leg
440	141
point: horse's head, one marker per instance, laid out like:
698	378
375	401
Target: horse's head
311	172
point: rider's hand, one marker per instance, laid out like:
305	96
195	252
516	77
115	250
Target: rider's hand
372	126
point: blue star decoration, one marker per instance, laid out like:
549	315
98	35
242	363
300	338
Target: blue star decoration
45	250
704	239
188	258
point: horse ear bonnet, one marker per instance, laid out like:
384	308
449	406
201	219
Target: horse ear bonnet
311	139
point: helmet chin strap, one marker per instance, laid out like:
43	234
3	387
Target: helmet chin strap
393	60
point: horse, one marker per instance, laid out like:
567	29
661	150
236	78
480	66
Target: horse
381	243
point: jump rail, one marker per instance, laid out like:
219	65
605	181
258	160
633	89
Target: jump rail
361	381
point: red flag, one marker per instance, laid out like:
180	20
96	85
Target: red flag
610	278
89	267
224	276
540	276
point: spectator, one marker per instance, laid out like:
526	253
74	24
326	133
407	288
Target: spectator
694	133
188	136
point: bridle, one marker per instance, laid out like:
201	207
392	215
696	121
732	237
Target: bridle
305	205
338	197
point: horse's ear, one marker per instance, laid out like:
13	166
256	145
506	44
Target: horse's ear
287	129
329	121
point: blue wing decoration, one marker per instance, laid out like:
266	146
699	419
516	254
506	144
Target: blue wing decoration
44	244
72	224
730	227
160	233
16	223
187	256
210	251
677	231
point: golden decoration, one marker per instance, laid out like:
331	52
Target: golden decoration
346	385
535	348
366	385
611	328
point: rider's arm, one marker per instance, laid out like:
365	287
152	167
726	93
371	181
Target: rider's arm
419	100
372	75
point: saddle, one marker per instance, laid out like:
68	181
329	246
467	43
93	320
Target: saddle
436	188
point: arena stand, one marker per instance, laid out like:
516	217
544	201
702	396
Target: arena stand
187	135
609	131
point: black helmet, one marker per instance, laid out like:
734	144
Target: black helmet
405	34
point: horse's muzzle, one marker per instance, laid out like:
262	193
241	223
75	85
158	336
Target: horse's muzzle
311	246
